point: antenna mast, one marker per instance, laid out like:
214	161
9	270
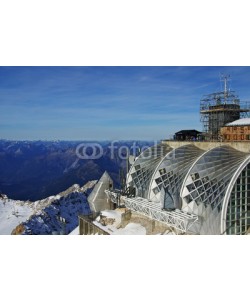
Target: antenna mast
225	78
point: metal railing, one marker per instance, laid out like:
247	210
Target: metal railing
177	219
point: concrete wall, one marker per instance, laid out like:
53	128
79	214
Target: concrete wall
243	146
86	227
98	199
126	217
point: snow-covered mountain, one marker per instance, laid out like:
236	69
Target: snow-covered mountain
53	215
33	170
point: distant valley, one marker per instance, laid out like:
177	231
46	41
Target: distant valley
32	170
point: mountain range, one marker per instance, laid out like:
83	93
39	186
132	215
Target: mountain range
33	170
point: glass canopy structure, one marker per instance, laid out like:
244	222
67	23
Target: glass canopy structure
213	186
169	174
144	166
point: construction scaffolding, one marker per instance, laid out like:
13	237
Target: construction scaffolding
220	108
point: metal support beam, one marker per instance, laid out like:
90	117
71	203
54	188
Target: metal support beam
177	219
113	196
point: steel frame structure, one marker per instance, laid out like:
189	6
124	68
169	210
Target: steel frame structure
113	196
218	109
177	219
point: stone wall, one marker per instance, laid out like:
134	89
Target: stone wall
243	146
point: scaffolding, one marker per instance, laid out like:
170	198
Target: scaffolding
220	108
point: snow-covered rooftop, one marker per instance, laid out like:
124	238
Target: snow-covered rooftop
240	122
129	229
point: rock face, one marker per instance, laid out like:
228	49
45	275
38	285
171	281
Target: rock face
106	221
61	216
3	196
18	230
53	215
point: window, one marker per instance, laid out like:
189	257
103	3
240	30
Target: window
162	171
238	217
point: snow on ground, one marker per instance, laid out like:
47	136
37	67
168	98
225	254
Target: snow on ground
15	212
61	217
131	229
44	216
75	231
12	213
113	214
39	205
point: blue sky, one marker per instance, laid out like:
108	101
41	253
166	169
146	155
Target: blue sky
100	103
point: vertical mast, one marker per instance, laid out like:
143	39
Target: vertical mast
225	78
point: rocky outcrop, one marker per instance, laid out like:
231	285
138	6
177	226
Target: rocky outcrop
18	230
56	214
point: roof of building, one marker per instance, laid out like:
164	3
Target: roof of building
197	182
240	122
144	166
185	131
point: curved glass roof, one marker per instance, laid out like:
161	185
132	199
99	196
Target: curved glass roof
211	185
140	173
206	183
237	217
169	175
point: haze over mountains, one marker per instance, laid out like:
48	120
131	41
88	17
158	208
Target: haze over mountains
33	170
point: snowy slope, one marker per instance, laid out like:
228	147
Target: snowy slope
12	213
75	231
131	229
53	215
